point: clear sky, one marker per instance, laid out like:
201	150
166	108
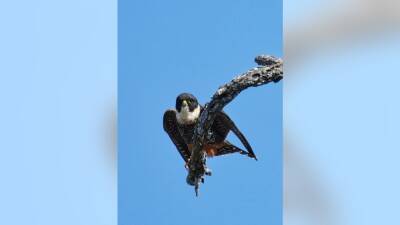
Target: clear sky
169	47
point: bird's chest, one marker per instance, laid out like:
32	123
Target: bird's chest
187	131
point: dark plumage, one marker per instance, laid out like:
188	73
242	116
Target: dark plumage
180	123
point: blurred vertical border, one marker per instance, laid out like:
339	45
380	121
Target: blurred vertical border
58	82
340	109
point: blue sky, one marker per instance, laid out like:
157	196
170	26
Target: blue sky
166	48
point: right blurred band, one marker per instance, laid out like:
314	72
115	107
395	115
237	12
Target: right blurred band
341	107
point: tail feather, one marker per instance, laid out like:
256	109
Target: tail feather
229	148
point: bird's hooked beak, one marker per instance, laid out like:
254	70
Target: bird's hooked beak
184	103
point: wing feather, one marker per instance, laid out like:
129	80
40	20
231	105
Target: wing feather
223	124
171	127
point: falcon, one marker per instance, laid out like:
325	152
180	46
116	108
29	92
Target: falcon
179	123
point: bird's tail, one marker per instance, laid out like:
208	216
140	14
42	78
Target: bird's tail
229	148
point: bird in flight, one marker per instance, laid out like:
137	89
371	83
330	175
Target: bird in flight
179	123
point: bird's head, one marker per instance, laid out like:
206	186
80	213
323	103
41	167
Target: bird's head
186	101
188	108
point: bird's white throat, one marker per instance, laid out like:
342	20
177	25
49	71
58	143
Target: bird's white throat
187	117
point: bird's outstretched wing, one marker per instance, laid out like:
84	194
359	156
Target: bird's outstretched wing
223	124
171	127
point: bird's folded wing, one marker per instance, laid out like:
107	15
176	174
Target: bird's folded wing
171	127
